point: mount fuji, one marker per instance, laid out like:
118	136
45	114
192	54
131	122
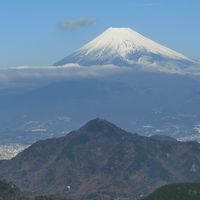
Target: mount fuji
126	47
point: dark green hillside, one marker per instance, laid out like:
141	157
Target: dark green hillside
9	191
179	191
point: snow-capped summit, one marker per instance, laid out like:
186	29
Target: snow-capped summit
126	47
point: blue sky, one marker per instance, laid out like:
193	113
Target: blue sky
40	32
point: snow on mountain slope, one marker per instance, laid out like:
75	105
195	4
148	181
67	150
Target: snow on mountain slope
124	41
126	47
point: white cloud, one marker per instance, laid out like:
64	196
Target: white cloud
28	75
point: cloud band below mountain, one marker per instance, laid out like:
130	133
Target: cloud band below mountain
21	76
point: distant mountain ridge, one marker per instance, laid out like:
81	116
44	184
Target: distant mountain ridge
126	47
102	161
163	138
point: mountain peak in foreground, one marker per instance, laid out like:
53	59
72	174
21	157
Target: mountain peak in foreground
101	126
101	161
125	47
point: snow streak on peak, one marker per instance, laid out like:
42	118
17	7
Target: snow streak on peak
125	40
